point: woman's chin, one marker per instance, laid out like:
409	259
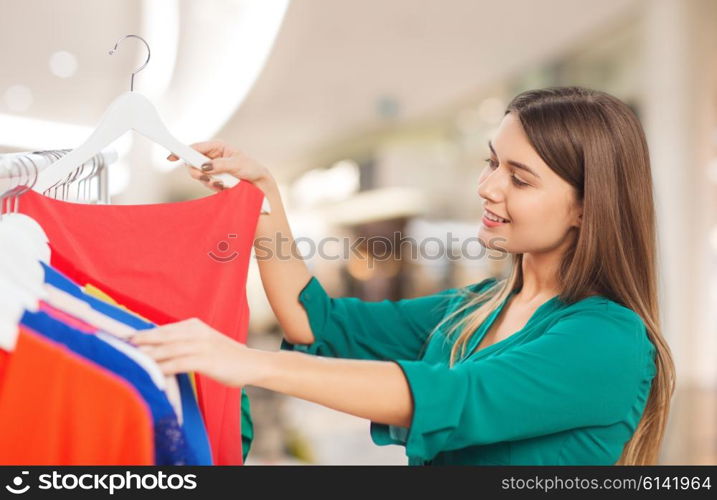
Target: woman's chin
492	242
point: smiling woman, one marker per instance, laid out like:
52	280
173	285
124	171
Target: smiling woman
539	203
561	363
589	176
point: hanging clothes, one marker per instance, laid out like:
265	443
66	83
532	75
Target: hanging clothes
167	262
247	426
170	444
80	415
67	287
146	362
192	423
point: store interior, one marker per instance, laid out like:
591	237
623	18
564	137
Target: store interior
374	118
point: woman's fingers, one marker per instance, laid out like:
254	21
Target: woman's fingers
221	165
204	178
212	149
175	332
182	364
230	166
195	173
225	160
191	346
164	352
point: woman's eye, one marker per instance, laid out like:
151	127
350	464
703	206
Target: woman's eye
494	164
491	163
518	182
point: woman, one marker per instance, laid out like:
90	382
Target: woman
563	362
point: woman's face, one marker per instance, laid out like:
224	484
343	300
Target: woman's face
518	185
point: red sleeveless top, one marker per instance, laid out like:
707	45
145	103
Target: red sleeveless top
167	262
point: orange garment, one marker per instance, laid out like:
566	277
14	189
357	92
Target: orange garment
59	409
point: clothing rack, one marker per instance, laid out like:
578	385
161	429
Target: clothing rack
62	335
23	169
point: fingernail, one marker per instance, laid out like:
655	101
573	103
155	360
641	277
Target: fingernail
218	184
207	167
204	178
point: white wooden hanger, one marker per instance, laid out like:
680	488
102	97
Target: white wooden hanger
20	252
12	307
129	111
21	277
27	228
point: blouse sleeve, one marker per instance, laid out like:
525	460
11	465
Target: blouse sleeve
589	369
380	330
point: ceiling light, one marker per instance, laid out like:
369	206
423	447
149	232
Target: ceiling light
63	64
18	98
31	134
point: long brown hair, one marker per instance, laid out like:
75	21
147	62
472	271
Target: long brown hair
595	142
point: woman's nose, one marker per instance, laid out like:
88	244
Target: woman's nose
491	187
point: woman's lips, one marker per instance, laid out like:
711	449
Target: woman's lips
491	223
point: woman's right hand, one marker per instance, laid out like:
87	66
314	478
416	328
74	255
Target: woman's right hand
283	273
226	159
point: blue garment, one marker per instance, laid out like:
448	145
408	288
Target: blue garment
193	427
170	445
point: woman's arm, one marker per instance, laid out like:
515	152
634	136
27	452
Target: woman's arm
592	367
376	390
283	271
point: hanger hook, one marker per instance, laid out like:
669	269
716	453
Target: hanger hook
149	54
26	186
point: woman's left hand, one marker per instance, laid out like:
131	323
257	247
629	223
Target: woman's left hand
193	346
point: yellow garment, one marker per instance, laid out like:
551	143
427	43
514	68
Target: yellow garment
95	292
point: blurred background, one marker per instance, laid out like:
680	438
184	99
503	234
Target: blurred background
374	117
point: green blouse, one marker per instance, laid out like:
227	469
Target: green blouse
569	388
